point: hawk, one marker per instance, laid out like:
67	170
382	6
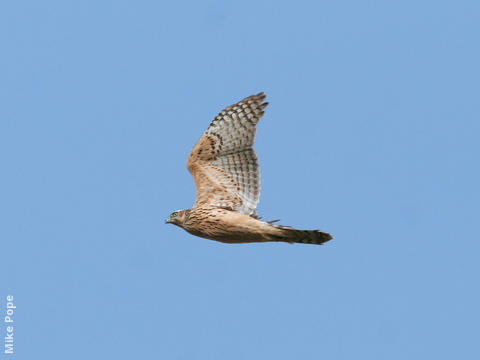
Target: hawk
227	178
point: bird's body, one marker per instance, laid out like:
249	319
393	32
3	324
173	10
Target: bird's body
227	178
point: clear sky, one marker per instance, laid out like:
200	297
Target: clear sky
372	134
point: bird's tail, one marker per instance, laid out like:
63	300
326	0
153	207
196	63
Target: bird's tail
292	235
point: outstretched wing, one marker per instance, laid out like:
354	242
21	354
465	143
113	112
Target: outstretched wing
223	163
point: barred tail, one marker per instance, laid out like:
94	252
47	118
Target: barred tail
303	236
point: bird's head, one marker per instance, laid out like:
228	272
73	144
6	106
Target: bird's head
178	217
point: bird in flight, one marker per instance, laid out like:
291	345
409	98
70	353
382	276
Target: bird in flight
227	179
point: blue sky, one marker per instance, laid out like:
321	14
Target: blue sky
372	134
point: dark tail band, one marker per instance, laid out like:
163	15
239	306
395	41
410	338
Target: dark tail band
304	236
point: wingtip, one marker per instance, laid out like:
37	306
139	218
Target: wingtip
260	96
